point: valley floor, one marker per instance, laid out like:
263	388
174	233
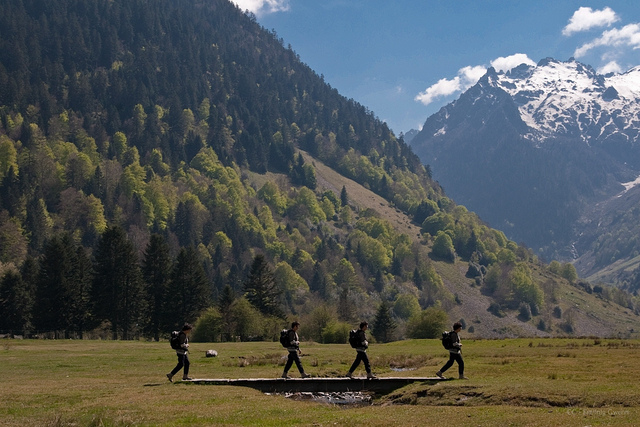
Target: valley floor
523	382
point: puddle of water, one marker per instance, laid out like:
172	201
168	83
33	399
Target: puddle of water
403	369
350	398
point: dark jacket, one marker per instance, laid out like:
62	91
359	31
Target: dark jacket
294	343
183	340
455	339
361	338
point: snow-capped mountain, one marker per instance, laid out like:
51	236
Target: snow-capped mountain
532	149
569	98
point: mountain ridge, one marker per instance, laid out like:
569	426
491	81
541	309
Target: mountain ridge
559	137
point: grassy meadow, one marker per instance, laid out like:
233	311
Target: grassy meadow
520	382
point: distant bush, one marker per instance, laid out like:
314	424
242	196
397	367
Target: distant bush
428	323
496	310
336	333
208	326
525	312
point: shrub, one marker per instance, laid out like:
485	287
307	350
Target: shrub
496	310
208	326
336	333
525	312
428	323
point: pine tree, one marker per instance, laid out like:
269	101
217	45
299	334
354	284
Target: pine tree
53	305
156	271
189	289
261	289
384	325
344	198
118	287
79	292
227	297
15	303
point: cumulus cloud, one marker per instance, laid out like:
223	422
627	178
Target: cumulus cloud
505	63
259	7
627	36
586	18
468	76
611	67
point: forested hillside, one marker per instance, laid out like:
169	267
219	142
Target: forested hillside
150	176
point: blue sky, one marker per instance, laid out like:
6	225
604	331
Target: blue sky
405	59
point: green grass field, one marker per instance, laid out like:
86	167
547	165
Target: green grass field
519	382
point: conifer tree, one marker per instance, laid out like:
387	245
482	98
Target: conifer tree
344	198
118	288
189	289
79	292
53	307
261	289
383	324
156	271
15	303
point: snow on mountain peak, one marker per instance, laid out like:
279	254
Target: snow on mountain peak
570	98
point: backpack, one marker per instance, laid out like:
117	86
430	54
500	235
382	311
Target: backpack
284	338
174	341
353	338
447	340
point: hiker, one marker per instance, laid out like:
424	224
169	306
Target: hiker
294	349
361	344
182	348
455	353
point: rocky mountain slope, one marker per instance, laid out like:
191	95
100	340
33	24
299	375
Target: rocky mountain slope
588	313
534	150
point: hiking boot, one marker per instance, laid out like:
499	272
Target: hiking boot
370	376
349	375
462	377
305	375
439	374
186	378
285	376
170	378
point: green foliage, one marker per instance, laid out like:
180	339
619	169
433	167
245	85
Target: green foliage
384	325
245	320
443	247
335	332
208	326
90	144
261	289
117	288
406	306
568	271
510	285
313	325
16	303
428	323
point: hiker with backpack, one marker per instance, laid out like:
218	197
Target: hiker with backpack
289	339
180	343
358	340
451	341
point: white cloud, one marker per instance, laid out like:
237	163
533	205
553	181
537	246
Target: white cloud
611	67
586	18
259	7
627	36
470	75
467	77
506	63
443	88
